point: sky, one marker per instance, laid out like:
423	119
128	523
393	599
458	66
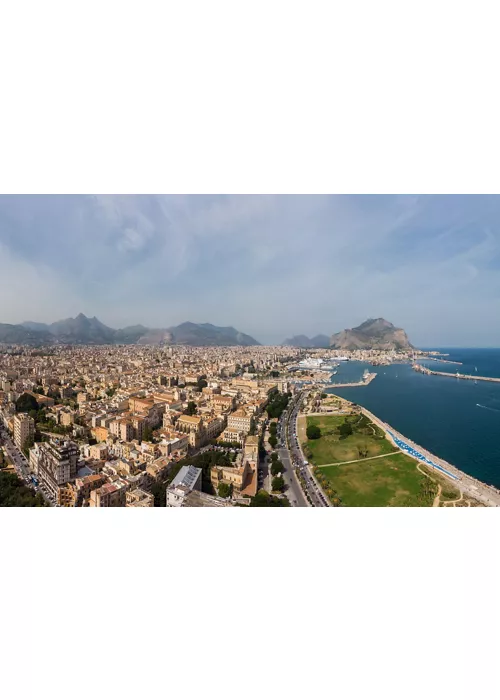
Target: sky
272	266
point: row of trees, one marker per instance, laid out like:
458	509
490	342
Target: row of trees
15	494
277	469
277	404
273	440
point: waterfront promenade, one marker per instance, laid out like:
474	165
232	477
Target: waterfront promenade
488	495
455	375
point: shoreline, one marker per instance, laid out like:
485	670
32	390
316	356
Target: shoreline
474	488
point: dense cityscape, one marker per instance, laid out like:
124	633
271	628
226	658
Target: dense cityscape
143	426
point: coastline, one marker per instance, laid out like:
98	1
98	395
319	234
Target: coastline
486	494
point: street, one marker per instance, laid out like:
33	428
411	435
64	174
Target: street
296	457
20	463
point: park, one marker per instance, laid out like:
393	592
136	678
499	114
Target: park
358	466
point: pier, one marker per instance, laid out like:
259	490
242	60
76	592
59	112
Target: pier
438	359
457	375
364	382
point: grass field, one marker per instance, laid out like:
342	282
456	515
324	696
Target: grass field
388	481
366	441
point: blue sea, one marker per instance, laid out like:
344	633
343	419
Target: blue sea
455	419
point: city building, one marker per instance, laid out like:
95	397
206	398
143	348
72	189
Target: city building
109	496
57	464
24	429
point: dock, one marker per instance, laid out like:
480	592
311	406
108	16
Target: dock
456	375
364	382
438	359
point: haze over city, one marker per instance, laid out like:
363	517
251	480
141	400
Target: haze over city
273	266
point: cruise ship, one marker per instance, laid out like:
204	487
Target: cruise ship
316	364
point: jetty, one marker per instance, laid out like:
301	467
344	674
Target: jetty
456	375
367	378
438	359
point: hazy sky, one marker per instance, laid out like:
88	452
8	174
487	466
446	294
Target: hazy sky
270	265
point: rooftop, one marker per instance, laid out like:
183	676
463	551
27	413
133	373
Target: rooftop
187	476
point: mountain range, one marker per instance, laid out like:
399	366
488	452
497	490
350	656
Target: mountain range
82	330
302	341
375	333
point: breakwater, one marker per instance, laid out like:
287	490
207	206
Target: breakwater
456	375
438	359
364	382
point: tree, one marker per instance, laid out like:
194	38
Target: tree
274	456
28	444
191	409
273	441
202	383
14	493
277	468
225	490
345	430
278	483
323	396
26	403
313	432
273	428
265	500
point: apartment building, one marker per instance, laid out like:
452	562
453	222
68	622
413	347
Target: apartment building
232	435
109	496
222	402
214	426
24	429
137	498
57	464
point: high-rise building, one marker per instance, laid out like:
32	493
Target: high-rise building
24	429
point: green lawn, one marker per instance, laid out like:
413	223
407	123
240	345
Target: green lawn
329	449
388	481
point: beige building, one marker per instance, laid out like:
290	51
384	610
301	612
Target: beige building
139	499
24	429
193	427
232	435
242	478
240	420
109	496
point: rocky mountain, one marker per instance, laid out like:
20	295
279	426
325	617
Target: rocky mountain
302	341
375	333
90	331
206	334
82	330
12	334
